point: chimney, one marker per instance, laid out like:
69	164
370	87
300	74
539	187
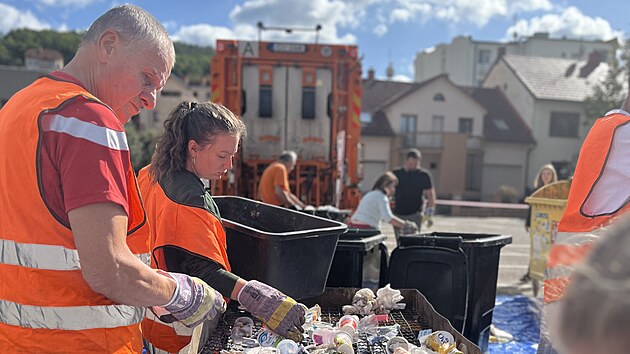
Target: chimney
370	74
594	59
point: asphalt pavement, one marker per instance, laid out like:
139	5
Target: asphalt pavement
514	257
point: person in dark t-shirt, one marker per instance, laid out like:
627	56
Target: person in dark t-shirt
414	186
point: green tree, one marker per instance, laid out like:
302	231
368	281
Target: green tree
141	146
610	93
192	61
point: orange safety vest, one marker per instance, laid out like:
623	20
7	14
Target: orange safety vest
192	228
45	304
596	197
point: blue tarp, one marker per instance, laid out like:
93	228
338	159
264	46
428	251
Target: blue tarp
519	316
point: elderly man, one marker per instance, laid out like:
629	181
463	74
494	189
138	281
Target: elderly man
73	229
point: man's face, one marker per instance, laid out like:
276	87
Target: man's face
411	163
133	80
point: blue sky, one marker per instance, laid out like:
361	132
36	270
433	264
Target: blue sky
385	30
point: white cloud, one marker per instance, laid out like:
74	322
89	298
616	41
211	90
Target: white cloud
380	30
66	3
401	78
571	23
13	18
477	12
202	34
305	14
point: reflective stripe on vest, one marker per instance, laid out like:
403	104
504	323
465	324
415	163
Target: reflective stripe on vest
72	318
88	131
45	257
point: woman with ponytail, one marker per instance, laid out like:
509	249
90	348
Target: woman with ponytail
200	141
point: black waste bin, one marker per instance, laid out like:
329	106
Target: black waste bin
360	260
482	253
287	249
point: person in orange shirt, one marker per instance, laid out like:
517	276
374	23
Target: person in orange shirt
274	183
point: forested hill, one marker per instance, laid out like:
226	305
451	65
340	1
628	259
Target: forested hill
192	61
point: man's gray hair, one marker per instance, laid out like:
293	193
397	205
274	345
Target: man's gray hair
132	23
288	156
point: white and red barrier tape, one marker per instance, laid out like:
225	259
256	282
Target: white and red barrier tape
468	203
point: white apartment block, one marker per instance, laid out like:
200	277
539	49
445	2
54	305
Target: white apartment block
467	61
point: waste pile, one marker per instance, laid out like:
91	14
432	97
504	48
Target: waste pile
372	323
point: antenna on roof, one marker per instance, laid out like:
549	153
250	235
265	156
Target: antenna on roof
389	72
514	21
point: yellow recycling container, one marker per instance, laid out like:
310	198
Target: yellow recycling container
547	206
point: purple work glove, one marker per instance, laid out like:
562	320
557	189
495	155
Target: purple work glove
280	313
193	302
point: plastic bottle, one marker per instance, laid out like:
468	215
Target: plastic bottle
268	339
341	341
243	328
349	324
287	346
322	336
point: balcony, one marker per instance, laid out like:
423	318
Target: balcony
434	140
421	140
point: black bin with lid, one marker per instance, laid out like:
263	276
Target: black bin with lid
360	260
470	301
287	249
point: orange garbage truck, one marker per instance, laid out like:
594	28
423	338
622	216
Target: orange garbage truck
294	96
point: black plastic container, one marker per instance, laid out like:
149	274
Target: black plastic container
287	249
359	261
482	252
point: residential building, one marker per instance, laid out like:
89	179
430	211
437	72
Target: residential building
15	78
41	58
467	61
174	92
549	94
473	141
507	142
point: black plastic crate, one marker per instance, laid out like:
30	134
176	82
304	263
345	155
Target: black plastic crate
287	249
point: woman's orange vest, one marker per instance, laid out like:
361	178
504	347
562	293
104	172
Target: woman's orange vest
45	304
193	229
598	194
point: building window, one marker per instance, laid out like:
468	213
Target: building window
484	56
466	125
500	124
473	172
366	117
408	126
439	97
564	124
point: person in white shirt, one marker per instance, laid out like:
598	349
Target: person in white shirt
374	206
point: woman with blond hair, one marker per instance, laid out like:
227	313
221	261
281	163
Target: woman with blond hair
546	175
374	206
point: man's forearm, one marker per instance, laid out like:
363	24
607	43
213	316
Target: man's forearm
296	201
107	264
